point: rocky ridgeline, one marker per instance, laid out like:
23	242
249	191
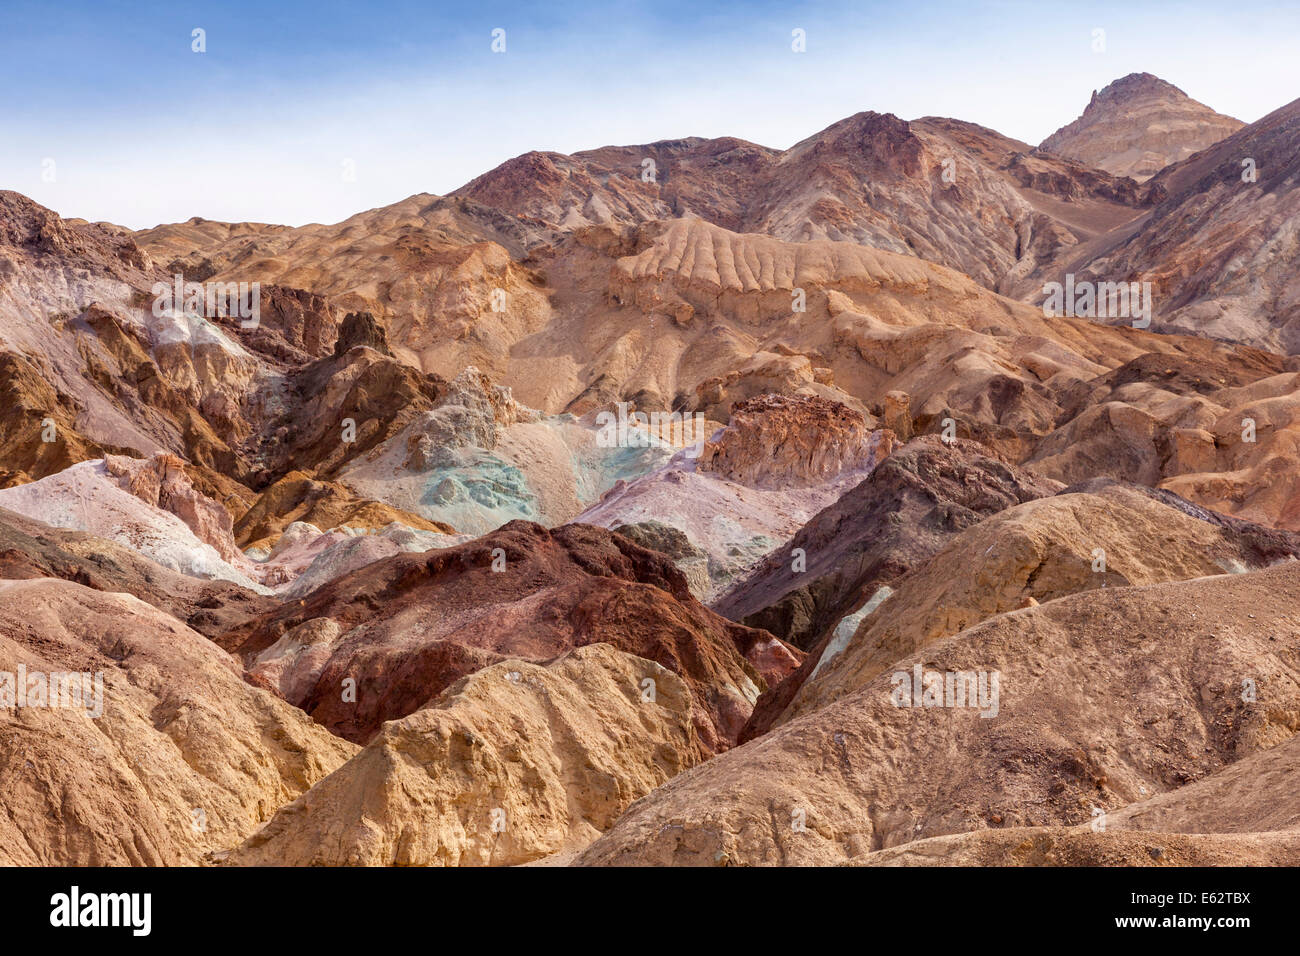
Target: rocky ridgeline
368	584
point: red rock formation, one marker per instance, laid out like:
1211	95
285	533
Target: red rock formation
406	627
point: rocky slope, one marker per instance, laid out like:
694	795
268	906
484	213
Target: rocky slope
900	515
1222	434
754	483
512	763
1219	250
403	629
1029	554
89	497
1137	126
33	549
1079	846
1243	815
390	568
183	758
1155	701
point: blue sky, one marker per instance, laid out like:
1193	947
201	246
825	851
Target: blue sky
142	130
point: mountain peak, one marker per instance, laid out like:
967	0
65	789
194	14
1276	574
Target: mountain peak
1138	125
1137	85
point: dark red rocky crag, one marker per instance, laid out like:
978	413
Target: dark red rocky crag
407	627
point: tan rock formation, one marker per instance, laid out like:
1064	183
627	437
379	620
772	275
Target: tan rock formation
1244	815
325	504
1037	551
1102	695
513	763
898	414
185	758
1137	126
779	440
1079	846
